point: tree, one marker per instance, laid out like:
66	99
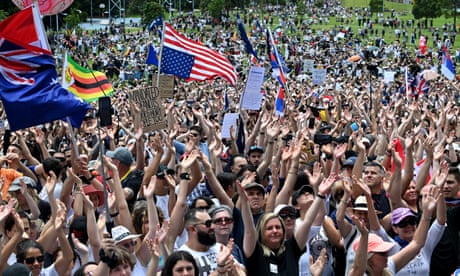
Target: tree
450	9
426	9
73	19
376	6
216	8
150	11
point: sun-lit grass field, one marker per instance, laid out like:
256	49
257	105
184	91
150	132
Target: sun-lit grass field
404	12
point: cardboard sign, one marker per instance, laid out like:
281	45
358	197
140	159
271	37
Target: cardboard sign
153	115
308	65
166	86
319	75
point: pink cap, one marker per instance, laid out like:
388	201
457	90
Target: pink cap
375	244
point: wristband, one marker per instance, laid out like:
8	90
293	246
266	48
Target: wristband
320	196
115	214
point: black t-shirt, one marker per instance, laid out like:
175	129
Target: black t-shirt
133	181
285	264
382	204
445	258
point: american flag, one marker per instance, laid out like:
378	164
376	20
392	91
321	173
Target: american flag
191	60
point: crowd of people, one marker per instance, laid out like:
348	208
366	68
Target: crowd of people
360	176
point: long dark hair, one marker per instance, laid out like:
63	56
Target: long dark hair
172	260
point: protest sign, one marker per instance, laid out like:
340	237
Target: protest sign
252	96
319	75
166	86
152	112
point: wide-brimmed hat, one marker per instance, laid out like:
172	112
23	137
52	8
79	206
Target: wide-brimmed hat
90	189
16	184
360	204
121	233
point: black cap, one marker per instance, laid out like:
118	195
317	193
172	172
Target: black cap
301	191
255	148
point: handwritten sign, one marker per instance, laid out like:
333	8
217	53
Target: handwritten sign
308	65
166	86
152	112
252	97
319	75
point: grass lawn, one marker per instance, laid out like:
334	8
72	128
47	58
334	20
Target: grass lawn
404	13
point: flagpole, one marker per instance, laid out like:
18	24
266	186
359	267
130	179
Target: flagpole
161	53
277	59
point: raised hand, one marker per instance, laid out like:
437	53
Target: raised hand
149	190
79	246
362	185
5	210
441	176
339	151
360	224
317	267
326	184
225	259
314	178
50	183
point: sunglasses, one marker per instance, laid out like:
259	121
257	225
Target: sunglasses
31	260
207	223
194	134
127	245
223	221
251	148
287	215
406	222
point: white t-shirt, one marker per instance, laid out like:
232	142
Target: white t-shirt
206	261
420	265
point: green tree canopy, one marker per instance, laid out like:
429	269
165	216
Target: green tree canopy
150	11
426	9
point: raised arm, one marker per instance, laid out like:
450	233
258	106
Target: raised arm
18	230
395	182
430	196
91	226
124	214
64	260
360	262
214	184
250	234
144	253
288	187
156	145
301	233
33	207
343	225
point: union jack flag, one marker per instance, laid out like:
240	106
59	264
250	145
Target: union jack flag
29	87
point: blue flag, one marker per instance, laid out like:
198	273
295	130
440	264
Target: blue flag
240	138
29	87
158	21
245	38
152	56
226	101
447	66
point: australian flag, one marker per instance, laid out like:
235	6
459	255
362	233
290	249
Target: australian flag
29	87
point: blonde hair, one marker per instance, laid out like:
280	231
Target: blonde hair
264	219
